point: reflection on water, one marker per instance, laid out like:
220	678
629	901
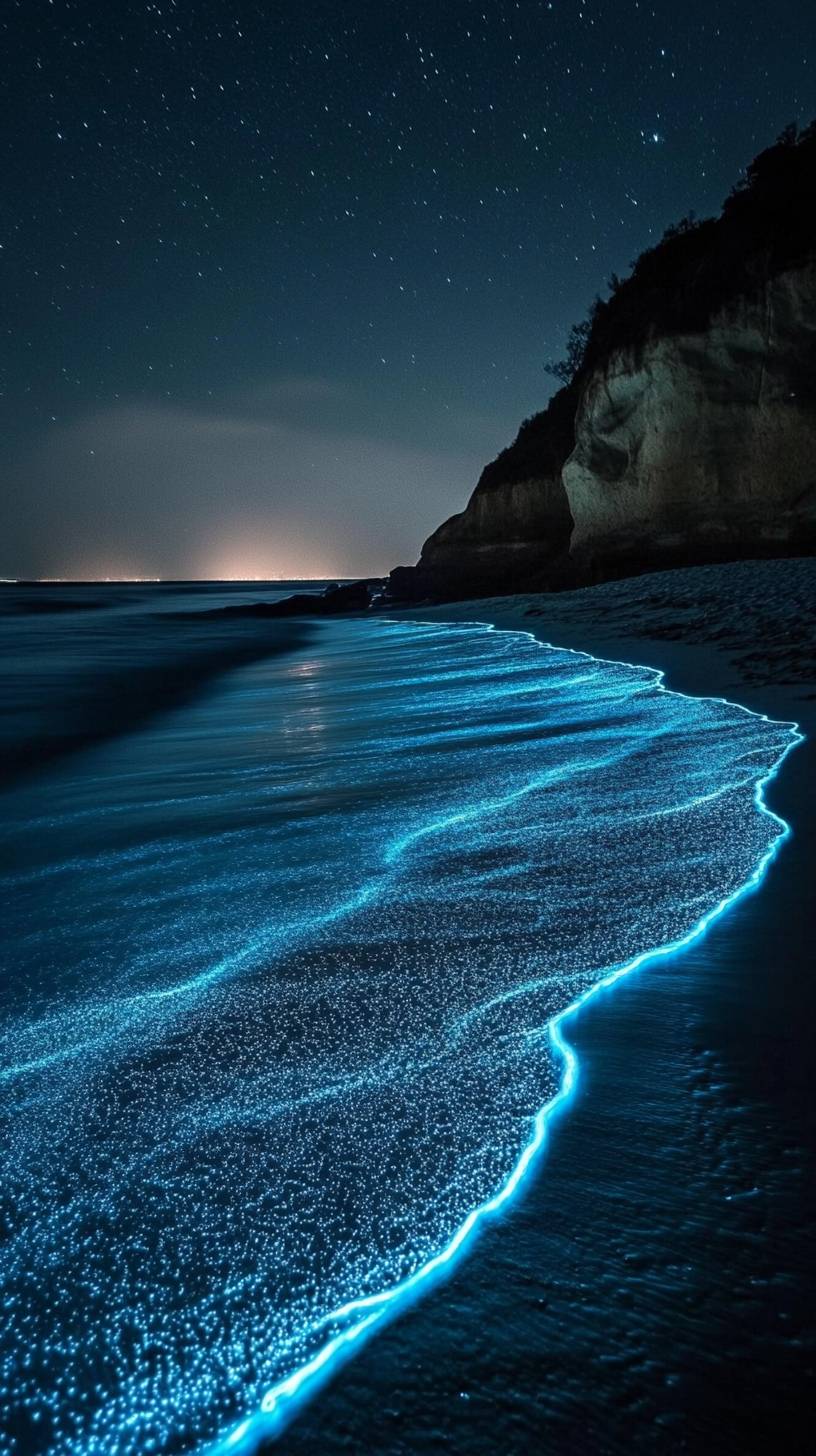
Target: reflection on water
81	663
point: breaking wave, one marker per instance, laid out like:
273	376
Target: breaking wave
288	976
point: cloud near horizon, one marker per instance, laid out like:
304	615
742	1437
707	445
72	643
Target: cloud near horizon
148	490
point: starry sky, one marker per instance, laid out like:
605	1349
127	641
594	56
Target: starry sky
279	278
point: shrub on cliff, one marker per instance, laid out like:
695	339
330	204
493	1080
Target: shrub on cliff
767	223
541	446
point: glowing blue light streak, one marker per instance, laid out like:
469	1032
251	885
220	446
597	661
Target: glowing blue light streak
471	886
280	1403
276	937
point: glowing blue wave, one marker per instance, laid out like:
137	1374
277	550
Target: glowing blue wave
293	985
281	1403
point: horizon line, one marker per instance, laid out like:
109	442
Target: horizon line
179	580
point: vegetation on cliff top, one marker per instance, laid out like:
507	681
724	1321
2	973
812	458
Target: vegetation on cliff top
767	224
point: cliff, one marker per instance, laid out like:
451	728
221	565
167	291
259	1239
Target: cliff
516	526
701	446
687	430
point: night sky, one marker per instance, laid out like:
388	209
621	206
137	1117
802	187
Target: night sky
279	278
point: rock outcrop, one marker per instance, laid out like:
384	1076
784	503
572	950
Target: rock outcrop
333	601
687	431
702	446
516	526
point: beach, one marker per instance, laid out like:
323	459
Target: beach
428	838
408	732
651	1288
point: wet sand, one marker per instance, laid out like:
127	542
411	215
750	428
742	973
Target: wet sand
652	1287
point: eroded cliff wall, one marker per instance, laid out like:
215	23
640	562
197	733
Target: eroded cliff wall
702	446
687	432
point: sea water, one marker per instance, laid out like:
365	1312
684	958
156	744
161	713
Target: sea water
282	968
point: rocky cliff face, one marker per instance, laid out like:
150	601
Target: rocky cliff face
687	432
514	532
702	446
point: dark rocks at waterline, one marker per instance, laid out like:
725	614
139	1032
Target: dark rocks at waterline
355	596
493	571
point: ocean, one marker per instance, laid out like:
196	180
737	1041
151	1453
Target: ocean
292	914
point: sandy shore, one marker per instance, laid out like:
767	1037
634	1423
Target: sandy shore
651	1288
745	630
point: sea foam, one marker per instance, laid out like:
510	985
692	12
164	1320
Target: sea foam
286	974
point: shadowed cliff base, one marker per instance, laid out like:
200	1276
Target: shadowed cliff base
516	526
685	432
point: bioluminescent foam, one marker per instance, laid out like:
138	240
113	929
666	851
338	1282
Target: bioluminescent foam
284	980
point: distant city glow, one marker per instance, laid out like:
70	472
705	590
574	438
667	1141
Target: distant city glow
84	580
255	560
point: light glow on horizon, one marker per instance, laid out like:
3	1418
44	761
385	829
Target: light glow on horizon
259	556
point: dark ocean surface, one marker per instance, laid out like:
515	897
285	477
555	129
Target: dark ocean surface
81	663
288	912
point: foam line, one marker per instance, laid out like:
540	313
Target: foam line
359	1317
266	942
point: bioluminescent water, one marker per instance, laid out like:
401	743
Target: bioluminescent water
282	968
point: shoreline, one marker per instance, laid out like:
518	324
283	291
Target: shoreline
634	619
526	1183
291	1399
705	669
